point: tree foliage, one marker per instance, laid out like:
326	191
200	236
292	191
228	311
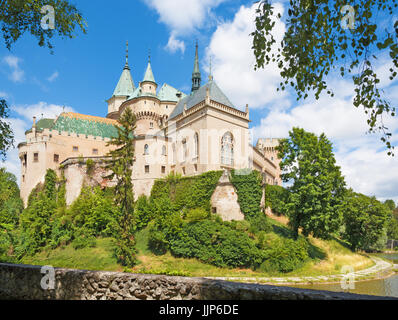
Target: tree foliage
120	164
20	16
365	221
6	134
317	187
318	40
11	204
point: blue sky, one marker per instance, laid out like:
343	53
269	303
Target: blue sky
84	71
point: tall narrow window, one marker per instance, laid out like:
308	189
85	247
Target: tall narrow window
146	149
146	169
196	145
227	149
36	157
184	150
56	158
163	150
151	125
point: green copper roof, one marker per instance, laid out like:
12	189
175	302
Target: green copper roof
200	95
43	124
149	74
168	93
125	86
85	125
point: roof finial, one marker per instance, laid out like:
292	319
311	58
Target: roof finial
126	66
149	56
196	77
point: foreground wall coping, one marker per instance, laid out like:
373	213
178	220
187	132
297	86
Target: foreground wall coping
24	282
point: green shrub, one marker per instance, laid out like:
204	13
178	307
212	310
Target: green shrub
260	222
142	212
275	198
216	244
84	242
197	214
285	255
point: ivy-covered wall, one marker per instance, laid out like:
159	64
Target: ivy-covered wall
248	184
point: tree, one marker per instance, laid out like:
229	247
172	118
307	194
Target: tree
316	194
121	168
11	204
365	221
20	16
390	204
6	134
322	36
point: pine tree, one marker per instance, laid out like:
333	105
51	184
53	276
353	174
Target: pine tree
120	165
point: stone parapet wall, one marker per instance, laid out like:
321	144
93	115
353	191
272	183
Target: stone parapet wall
24	282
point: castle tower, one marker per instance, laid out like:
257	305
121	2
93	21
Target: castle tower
124	89
148	84
196	76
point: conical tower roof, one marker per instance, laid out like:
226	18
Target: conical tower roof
125	86
148	73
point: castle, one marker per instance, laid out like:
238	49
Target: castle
175	133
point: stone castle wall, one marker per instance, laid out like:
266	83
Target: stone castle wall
24	282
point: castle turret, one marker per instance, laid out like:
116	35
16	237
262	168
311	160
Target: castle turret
196	76
124	89
148	84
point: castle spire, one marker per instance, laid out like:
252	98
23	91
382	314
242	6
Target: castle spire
148	73
126	66
125	86
196	76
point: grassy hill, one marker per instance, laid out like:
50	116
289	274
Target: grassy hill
327	257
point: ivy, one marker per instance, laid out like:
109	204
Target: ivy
248	184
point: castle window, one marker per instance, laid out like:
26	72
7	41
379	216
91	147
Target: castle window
163	169
196	167
183	170
227	149
146	169
36	157
75	149
184	150
56	158
23	178
163	150
95	151
151	125
146	149
196	146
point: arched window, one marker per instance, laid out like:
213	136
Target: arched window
196	145
227	149
146	149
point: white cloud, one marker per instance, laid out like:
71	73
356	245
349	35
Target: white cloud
13	62
53	77
24	122
41	109
174	44
363	160
233	62
183	17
